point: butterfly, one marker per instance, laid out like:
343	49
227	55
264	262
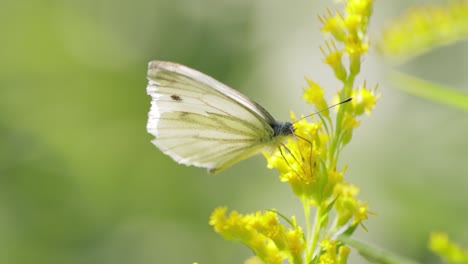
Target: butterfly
201	122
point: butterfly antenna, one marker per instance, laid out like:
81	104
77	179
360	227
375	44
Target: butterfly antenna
320	111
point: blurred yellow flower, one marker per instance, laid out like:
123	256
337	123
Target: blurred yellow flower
449	251
424	28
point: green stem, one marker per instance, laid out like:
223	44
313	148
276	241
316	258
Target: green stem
315	232
335	140
333	227
345	93
373	253
306	205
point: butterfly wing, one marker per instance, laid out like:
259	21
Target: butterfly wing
202	122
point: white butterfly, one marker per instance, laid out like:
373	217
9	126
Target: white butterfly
199	121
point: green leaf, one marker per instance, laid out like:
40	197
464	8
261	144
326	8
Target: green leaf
431	91
330	206
284	217
350	230
374	254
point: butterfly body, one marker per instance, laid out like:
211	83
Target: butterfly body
199	121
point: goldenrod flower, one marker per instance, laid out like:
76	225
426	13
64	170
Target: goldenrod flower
424	28
314	94
343	253
334	58
308	161
262	233
333	252
295	242
451	252
297	159
335	25
364	100
347	206
360	10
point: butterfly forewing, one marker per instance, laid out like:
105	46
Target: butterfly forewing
200	121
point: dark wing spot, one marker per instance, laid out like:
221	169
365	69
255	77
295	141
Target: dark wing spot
176	98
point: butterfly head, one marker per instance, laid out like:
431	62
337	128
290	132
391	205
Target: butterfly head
282	128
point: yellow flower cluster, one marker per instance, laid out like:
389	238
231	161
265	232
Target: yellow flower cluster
297	159
349	29
348	207
451	252
364	100
423	28
271	241
314	95
308	160
333	252
302	161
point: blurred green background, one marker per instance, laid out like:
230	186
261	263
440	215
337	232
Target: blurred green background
81	182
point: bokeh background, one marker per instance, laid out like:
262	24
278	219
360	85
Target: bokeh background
80	181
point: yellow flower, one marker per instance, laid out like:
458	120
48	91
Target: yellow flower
314	94
266	250
334	252
334	58
261	232
346	203
330	251
295	242
334	25
353	24
343	253
327	244
333	178
363	100
218	219
361	9
348	123
348	207
361	213
308	160
297	160
424	28
326	259
451	252
351	30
